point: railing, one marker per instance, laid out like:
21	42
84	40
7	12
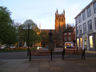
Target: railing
74	52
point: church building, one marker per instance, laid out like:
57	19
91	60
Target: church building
60	26
60	21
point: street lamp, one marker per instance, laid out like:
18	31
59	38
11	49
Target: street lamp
28	26
51	44
63	53
28	50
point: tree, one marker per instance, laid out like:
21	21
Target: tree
44	38
7	30
23	33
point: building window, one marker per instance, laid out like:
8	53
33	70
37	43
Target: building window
84	28
80	31
77	31
76	20
65	38
65	33
94	6
69	38
79	18
83	15
89	12
91	41
95	22
70	33
81	43
77	42
80	27
89	25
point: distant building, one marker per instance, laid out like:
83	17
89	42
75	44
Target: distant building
69	35
60	25
86	27
60	21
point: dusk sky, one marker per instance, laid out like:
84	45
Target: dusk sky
43	11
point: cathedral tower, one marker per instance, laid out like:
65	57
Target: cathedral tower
60	21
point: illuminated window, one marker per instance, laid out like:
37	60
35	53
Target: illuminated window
80	42
85	41
77	42
91	41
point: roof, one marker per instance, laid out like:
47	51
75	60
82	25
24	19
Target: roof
70	29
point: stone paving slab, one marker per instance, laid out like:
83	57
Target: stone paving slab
45	65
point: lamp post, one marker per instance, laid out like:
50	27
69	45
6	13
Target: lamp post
63	53
51	44
28	50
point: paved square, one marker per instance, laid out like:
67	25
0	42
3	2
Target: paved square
45	65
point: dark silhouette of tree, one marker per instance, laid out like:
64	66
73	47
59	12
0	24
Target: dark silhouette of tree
7	30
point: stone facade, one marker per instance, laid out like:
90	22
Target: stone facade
86	27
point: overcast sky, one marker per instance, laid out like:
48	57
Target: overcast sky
43	11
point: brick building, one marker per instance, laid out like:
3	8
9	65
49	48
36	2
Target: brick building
69	36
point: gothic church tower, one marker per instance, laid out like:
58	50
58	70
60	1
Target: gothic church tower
60	22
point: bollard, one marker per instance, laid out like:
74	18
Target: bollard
74	51
83	54
29	55
63	54
51	55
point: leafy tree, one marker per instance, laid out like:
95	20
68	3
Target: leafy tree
44	38
33	36
7	31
